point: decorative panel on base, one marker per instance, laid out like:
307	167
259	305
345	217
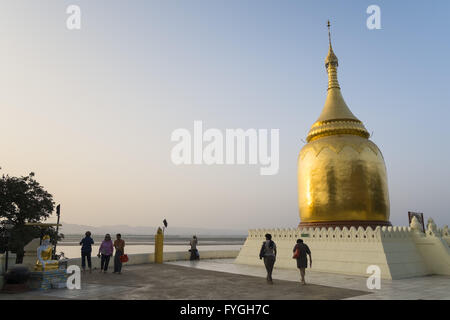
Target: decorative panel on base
45	280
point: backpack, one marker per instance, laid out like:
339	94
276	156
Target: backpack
262	252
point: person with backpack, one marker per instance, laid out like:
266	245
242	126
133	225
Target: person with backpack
300	252
268	252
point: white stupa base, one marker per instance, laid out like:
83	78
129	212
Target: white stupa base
399	252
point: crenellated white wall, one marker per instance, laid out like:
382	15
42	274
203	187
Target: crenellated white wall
398	251
434	246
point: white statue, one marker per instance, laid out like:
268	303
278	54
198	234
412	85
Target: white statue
415	224
431	226
44	254
445	231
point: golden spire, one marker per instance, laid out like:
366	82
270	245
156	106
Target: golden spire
331	64
336	117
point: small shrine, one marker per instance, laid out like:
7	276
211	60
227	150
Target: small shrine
45	272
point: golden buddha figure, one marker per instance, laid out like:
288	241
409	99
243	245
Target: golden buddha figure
44	254
341	173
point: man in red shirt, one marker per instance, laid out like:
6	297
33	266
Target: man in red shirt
119	244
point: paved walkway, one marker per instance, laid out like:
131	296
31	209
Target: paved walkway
430	288
172	281
222	279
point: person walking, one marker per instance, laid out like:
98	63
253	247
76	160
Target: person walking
300	252
268	252
119	244
86	250
194	252
105	252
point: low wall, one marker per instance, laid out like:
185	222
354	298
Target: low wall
143	258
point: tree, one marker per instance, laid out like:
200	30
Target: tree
22	200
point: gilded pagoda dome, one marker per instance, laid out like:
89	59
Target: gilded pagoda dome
342	178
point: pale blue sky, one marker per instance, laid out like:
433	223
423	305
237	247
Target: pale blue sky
91	111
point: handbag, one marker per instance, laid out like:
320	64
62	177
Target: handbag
123	258
296	253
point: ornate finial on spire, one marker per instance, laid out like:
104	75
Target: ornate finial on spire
329	33
331	58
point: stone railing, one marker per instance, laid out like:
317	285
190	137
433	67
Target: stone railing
332	234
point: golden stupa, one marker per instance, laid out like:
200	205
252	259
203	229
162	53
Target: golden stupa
341	173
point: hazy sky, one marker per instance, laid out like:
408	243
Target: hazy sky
91	111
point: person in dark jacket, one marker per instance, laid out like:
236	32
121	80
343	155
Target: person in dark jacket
268	252
302	261
86	250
